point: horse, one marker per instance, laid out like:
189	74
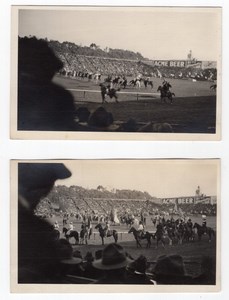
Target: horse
73	233
180	231
159	236
115	81
123	83
148	82
202	230
111	92
84	235
139	236
136	82
188	234
171	233
165	94
103	233
127	220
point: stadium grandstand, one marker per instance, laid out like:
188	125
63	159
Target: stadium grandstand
82	61
75	201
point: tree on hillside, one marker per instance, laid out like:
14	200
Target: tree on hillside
94	46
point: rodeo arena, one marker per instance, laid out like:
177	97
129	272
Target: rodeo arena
79	235
93	89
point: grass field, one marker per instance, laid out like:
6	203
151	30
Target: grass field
193	110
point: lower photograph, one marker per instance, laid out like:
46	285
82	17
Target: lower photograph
115	225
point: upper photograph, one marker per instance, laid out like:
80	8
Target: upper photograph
116	73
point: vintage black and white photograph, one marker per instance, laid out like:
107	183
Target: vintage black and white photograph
155	71
103	223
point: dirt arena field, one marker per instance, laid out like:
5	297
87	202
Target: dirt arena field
193	109
192	252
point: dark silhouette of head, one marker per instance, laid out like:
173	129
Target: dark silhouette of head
36	59
35	180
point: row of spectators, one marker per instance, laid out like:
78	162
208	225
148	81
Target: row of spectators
114	265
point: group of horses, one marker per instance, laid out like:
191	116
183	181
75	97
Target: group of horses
110	88
174	232
85	233
178	233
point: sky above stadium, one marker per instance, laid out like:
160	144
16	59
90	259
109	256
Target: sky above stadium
160	178
157	33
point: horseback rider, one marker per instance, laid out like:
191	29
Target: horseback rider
160	228
56	225
189	224
65	219
70	228
204	223
107	228
166	85
141	229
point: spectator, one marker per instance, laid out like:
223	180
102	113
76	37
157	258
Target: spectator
113	262
100	119
170	270
137	272
208	269
37	251
89	270
42	105
69	263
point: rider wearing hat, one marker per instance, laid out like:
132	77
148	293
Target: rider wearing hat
56	225
141	228
189	223
204	222
70	228
107	228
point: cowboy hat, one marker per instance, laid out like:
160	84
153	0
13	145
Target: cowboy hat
113	257
65	253
171	265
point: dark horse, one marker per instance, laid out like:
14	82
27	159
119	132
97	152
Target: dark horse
73	233
139	236
159	236
106	90
202	230
165	94
148	82
85	234
188	234
103	233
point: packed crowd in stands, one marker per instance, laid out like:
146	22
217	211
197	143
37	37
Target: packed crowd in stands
75	65
119	62
98	207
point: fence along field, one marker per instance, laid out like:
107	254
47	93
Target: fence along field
193	110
